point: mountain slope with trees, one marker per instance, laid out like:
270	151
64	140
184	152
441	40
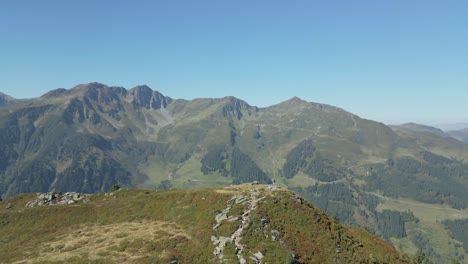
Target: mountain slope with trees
91	137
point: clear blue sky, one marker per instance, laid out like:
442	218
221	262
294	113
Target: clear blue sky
391	61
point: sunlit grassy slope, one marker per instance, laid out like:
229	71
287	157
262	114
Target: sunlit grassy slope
138	226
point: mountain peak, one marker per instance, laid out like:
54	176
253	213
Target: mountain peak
91	85
142	88
295	100
235	107
87	88
140	96
96	85
232	99
144	96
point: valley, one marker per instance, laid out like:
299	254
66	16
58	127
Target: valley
398	182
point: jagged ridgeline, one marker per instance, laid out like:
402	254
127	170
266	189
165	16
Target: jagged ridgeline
92	137
239	224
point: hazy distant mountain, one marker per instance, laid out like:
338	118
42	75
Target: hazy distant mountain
461	134
93	136
454	126
420	128
6	99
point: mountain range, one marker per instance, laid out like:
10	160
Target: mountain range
453	126
91	137
460	134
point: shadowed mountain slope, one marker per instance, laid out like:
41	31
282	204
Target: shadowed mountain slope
6	99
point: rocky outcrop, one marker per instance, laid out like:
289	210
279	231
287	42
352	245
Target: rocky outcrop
250	202
220	243
236	108
145	97
51	198
221	216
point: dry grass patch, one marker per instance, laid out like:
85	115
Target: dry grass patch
121	242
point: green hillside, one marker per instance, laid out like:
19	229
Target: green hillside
265	224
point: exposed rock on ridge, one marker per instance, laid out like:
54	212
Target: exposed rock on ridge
144	97
52	198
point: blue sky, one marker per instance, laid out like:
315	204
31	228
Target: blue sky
391	61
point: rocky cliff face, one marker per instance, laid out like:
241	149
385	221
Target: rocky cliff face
144	97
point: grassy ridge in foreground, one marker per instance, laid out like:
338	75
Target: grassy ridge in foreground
139	226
